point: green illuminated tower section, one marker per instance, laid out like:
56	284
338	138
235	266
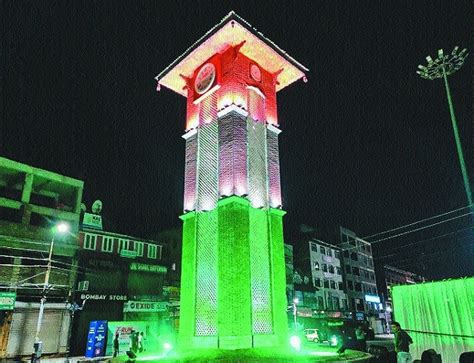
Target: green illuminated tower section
233	268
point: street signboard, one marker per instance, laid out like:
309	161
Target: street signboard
7	300
128	253
145	306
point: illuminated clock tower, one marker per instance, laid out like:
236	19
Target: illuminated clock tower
233	267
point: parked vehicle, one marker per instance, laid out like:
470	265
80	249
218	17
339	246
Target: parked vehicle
312	335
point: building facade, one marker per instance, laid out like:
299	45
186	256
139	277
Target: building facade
326	275
359	274
393	276
121	278
32	202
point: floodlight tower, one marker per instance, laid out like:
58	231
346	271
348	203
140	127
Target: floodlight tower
443	66
233	268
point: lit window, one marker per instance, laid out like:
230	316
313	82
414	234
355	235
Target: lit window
90	241
152	249
139	248
107	244
123	245
316	265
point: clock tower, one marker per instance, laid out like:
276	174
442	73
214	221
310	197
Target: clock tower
233	268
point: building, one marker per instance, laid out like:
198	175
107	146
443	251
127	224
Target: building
32	202
121	278
393	276
326	273
359	273
233	275
289	273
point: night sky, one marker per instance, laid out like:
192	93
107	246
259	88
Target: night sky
366	143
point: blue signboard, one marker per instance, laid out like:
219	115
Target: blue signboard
96	339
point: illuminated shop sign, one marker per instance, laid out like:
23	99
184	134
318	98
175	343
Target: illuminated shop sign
134	266
372	298
104	297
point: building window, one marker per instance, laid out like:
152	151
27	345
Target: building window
337	254
335	303
348	269
329	252
341	286
317	282
152	249
90	241
320	303
338	270
323	250
123	245
107	244
354	256
333	285
346	253
356	271
372	277
326	284
325	267
316	265
344	304
350	286
357	286
139	248
331	269
314	247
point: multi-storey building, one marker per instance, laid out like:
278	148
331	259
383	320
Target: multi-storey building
32	202
121	278
394	276
359	273
326	274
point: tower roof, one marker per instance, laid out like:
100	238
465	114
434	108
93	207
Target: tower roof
232	30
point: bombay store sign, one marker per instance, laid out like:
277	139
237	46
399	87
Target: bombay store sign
104	297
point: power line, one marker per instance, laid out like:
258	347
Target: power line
424	240
420	221
421	228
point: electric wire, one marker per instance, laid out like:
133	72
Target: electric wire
421	241
411	224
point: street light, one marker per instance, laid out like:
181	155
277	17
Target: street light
441	67
295	302
60	228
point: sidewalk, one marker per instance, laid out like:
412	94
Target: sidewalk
47	359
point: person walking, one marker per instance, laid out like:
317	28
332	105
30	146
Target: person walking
116	344
402	344
361	336
140	342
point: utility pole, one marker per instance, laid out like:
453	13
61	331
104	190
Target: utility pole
442	67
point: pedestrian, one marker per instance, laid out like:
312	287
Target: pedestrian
402	344
361	336
116	344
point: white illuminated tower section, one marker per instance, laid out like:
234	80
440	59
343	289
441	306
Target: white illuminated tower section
233	268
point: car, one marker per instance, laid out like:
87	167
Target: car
312	335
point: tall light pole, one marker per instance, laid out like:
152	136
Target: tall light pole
60	228
441	67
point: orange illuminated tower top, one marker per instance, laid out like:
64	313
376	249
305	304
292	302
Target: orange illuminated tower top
273	68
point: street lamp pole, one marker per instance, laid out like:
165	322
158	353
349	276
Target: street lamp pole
59	228
295	302
442	67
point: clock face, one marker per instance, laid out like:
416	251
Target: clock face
255	73
205	78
